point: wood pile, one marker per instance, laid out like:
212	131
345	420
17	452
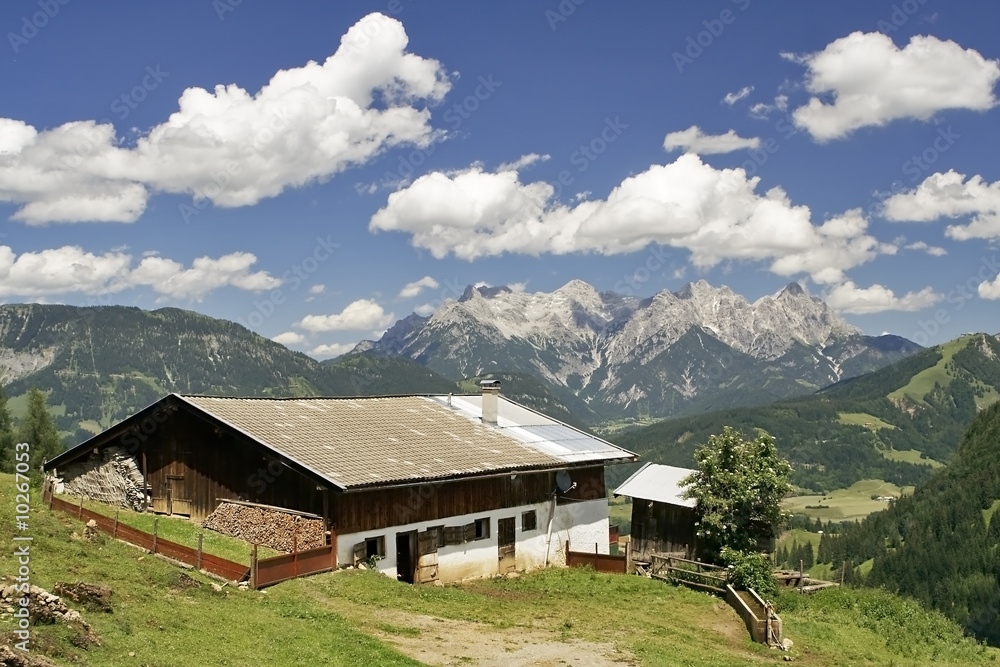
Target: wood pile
269	527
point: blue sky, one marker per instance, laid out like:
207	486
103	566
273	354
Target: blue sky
318	170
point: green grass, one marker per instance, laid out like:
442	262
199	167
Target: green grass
923	382
846	504
863	419
356	617
910	456
180	531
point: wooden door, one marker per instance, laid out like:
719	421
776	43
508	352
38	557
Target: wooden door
427	555
505	541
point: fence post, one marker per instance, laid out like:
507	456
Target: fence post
295	551
566	553
595	556
79	512
802	577
201	536
51	496
156	532
114	534
253	567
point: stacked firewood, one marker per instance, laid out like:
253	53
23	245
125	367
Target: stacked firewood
267	527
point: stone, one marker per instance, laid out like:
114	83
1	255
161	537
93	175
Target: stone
217	588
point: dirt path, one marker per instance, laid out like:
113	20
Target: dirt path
437	641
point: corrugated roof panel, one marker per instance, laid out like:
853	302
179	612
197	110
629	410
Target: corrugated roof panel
364	441
659	483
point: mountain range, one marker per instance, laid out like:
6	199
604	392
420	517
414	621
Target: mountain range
894	424
98	365
697	349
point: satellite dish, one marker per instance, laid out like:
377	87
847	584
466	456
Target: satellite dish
563	481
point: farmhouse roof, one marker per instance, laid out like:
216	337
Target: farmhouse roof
359	442
659	483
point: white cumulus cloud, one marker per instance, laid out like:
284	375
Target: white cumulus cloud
716	214
361	314
849	298
332	349
733	98
71	270
693	140
873	82
290	338
413	289
949	195
230	146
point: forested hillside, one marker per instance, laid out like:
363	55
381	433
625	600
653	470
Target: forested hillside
942	544
882	425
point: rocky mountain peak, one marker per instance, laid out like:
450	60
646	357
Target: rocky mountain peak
484	291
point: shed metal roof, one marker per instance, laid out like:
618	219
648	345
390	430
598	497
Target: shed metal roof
659	483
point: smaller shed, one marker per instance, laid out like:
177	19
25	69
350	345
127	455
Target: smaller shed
663	520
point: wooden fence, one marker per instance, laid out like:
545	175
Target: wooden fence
693	573
598	561
270	571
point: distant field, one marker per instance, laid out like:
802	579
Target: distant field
863	419
910	456
846	504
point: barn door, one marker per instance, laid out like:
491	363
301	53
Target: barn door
505	541
177	502
427	555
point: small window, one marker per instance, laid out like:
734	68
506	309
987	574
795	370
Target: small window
375	546
439	530
482	528
529	521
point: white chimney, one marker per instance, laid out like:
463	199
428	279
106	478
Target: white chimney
491	390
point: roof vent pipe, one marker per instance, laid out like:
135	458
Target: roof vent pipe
491	390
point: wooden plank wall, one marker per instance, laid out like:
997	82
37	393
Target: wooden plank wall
662	528
218	464
371	510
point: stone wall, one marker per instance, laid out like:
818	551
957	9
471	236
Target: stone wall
112	476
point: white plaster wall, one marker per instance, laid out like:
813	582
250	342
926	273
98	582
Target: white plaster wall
583	523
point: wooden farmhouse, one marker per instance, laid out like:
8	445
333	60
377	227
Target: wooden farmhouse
439	488
663	520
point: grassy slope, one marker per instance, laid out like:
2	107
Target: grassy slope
924	381
346	618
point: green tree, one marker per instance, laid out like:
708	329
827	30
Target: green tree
738	488
6	436
39	430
